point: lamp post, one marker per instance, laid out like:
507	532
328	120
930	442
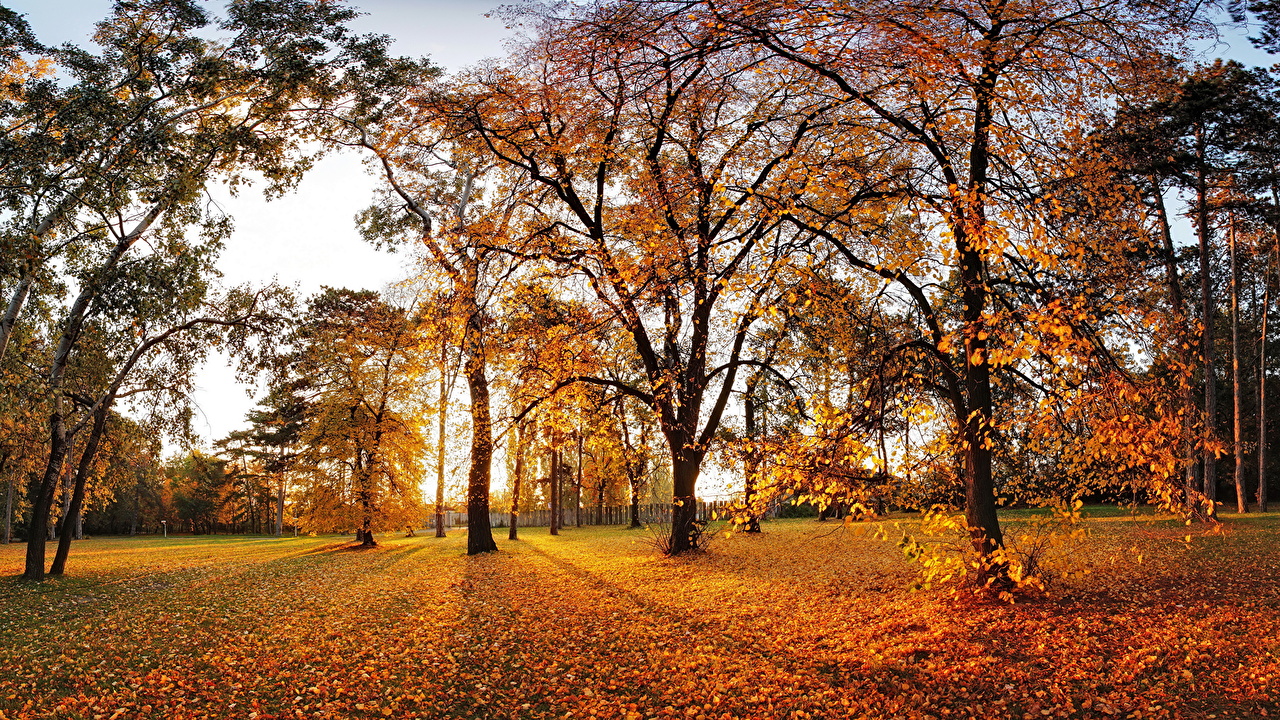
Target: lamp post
165	525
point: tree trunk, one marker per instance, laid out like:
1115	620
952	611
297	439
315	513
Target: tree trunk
577	487
8	512
1262	395
280	506
1178	302
1242	497
1209	458
441	420
521	439
977	421
68	484
14	307
980	499
42	500
752	461
364	534
553	492
91	445
600	504
635	505
479	534
685	468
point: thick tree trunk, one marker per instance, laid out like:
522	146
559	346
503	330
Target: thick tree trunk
91	445
685	468
752	462
42	501
479	534
442	413
976	423
364	534
1242	497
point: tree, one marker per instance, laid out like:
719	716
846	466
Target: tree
648	152
461	219
274	437
195	110
971	105
199	483
357	356
1213	128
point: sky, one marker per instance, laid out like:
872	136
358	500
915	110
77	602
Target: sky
307	238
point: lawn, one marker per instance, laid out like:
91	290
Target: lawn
806	620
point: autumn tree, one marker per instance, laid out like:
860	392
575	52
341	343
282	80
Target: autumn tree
361	436
648	152
955	112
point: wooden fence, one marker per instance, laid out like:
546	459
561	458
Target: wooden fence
654	513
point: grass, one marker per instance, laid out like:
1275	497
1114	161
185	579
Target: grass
808	620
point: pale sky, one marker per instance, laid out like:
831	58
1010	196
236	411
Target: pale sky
307	238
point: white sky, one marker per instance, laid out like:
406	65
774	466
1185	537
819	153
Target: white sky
307	238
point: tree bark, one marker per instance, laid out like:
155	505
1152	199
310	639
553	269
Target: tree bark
91	445
8	512
12	310
1209	458
577	487
1262	395
280	506
553	489
752	461
364	534
479	533
1242	497
521	440
42	500
686	466
442	413
976	423
1176	299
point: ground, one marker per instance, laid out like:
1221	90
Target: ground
808	620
